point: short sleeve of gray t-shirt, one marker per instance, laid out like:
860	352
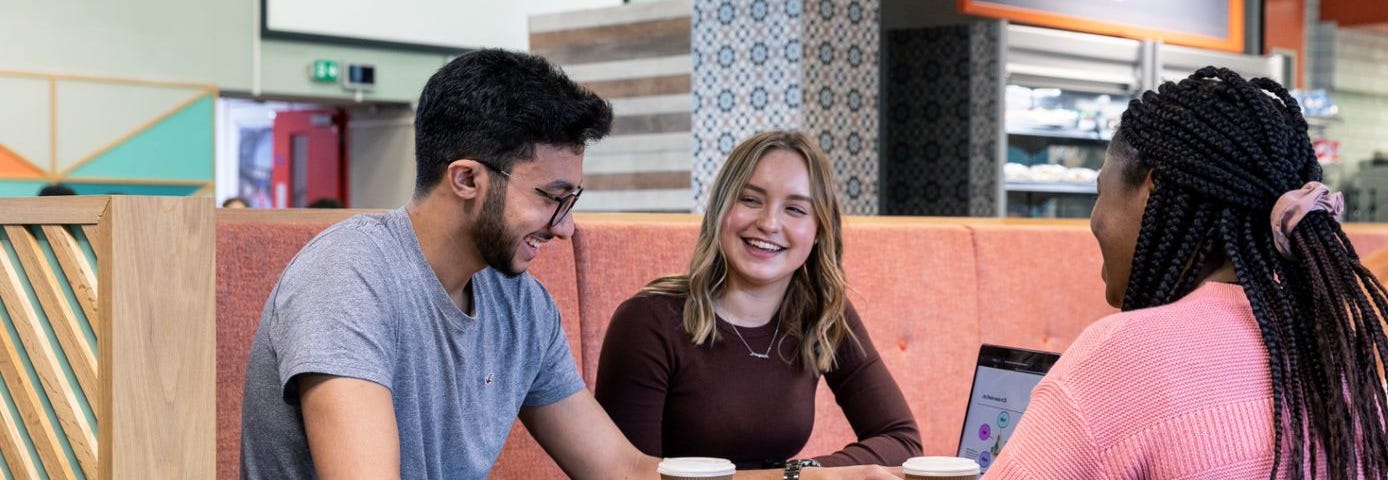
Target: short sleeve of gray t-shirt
359	301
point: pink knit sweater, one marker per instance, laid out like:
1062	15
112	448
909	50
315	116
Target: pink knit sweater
1180	391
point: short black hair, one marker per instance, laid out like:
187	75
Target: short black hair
326	202
494	106
56	189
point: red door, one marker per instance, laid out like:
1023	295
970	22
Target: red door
310	158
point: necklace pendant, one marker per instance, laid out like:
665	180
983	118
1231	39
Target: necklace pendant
759	355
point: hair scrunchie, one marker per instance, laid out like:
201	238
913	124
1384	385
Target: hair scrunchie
1292	206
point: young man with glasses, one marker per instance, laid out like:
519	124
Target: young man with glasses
402	345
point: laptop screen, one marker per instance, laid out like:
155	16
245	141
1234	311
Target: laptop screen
1003	381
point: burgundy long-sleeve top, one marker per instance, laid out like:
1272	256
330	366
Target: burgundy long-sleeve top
673	398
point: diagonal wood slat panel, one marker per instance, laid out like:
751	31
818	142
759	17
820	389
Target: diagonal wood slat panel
80	434
93	233
22	389
80	275
60	315
12	444
81	209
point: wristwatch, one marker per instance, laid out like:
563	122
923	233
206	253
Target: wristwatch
793	467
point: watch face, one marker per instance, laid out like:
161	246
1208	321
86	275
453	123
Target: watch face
809	462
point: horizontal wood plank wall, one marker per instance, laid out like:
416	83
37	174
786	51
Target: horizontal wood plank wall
638	57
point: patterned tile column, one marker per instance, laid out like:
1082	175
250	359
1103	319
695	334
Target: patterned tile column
788	64
941	114
926	168
985	90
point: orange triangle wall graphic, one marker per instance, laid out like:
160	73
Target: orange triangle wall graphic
14	166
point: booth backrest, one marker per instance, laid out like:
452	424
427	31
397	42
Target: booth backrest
914	286
1367	238
254	247
929	291
250	257
617	256
1039	284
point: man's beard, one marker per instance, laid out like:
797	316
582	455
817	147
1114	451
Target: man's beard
494	242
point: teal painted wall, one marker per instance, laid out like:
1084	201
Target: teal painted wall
12	188
20	188
131	189
177	148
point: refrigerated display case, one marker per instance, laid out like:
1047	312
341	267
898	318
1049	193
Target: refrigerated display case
1065	92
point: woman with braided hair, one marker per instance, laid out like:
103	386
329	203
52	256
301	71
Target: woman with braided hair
1251	342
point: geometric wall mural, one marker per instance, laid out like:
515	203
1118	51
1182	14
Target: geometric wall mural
801	65
15	166
176	147
105	136
25	127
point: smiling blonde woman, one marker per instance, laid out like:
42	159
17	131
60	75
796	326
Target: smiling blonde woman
724	360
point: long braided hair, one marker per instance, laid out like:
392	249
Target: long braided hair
1221	151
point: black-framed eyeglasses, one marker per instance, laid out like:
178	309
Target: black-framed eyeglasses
564	204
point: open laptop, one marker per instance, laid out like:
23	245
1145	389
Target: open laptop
1002	386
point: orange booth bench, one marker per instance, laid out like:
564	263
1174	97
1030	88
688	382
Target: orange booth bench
930	291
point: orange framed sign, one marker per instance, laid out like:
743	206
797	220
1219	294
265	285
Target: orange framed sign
1212	24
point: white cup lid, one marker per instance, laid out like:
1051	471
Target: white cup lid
939	467
696	467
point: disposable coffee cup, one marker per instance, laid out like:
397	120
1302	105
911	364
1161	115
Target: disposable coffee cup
696	468
940	468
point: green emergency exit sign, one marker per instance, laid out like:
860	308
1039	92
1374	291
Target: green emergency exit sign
324	71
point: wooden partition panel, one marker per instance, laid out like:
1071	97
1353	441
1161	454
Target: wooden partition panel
106	349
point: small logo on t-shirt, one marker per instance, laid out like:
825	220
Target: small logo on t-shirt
490	378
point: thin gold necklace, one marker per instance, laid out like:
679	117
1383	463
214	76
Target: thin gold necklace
753	353
750	352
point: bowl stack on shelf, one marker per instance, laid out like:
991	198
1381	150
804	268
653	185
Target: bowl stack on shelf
1049	178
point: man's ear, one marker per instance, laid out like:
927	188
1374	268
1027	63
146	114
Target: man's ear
461	178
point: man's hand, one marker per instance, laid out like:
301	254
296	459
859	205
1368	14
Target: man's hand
350	425
578	434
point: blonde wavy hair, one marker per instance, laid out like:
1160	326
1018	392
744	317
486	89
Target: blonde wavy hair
812	309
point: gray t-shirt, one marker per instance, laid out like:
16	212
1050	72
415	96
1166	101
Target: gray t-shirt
360	301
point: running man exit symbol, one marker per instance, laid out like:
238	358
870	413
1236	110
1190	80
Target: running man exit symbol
324	71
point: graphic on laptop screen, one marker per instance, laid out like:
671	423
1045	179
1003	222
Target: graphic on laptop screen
1002	387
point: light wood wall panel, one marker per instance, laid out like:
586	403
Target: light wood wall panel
158	362
638	57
